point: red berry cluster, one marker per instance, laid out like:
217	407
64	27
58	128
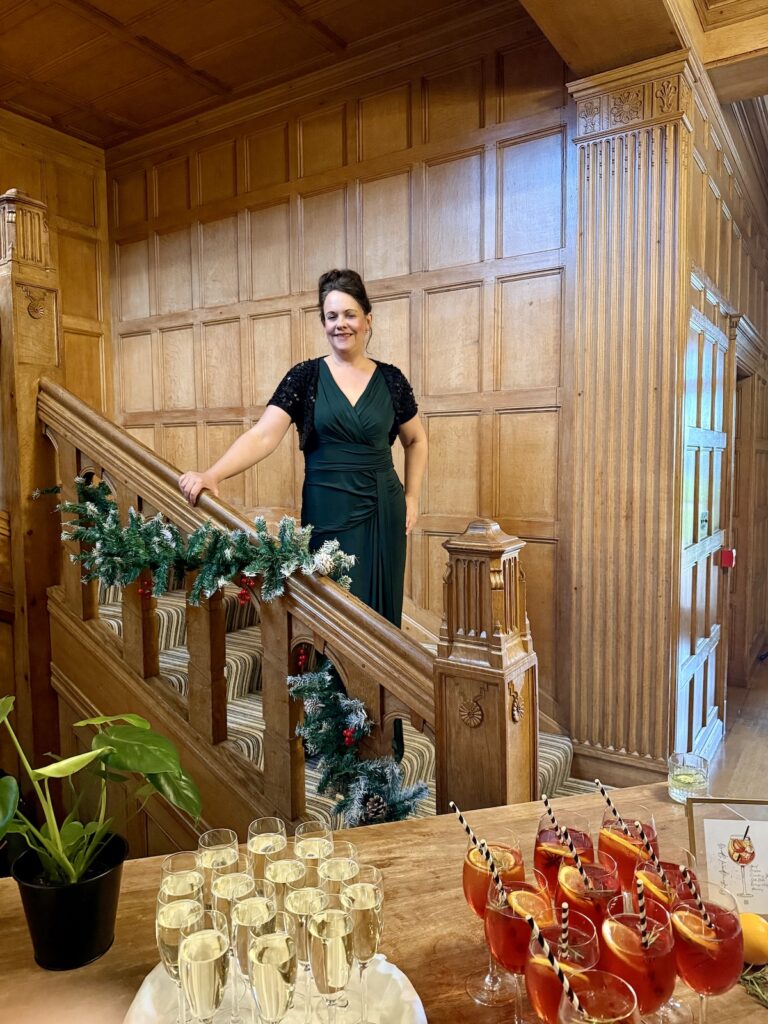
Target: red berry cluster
145	590
350	737
302	657
247	583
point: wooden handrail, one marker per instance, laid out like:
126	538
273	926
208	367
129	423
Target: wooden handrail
400	665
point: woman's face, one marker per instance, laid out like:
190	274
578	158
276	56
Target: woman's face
346	325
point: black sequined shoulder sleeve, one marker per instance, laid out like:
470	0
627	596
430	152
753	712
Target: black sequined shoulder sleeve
295	394
403	398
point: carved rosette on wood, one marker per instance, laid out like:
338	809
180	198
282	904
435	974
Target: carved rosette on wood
486	707
633	133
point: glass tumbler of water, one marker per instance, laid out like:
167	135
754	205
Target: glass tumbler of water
688	776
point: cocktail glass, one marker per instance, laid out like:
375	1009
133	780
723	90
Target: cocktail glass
549	851
591	901
626	850
581	954
741	850
649	967
604	998
506	927
668	895
709	959
493	988
265	835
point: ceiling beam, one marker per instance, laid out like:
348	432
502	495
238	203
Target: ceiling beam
291	12
122	32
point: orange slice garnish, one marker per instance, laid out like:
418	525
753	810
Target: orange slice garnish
654	886
623	843
693	928
569	878
573	973
531	904
625	942
504	860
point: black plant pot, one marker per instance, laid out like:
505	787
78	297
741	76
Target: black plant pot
71	925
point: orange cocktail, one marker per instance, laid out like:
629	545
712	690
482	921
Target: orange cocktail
650	969
667	895
709	959
581	954
507	931
604	998
550	851
591	901
477	874
625	849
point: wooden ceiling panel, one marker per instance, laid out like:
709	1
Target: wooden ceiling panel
111	69
126	11
156	98
40	102
48	35
242	63
207	24
93	127
356	22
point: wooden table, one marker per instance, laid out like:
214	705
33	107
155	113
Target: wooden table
430	933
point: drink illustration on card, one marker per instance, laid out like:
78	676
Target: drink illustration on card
738	852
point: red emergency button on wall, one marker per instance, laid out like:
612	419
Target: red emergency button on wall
726	558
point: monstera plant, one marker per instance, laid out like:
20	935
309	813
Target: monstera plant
123	748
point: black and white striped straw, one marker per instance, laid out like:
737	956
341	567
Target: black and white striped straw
697	896
642	912
572	997
481	845
562	946
612	807
552	818
652	854
576	858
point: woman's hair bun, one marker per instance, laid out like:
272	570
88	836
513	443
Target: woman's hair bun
347	281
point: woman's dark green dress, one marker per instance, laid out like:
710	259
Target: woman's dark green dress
352	493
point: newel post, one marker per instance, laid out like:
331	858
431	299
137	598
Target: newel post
30	332
486	686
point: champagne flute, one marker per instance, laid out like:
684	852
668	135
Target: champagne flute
330	955
251	915
230	882
203	963
272	968
301	901
340	867
216	849
314	844
283	866
172	912
182	875
265	835
363	899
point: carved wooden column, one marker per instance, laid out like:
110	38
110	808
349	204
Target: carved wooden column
486	697
616	634
29	329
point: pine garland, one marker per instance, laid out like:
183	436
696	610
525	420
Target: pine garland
117	554
334	725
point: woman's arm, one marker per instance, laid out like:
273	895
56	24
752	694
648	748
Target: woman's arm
251	447
413	438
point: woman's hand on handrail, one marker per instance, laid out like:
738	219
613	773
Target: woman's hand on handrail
191	485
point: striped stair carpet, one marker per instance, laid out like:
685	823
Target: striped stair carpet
245	719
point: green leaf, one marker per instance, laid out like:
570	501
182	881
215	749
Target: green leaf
9	801
72	834
180	790
134	749
131	719
70	765
5	707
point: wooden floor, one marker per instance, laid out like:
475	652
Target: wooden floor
741	767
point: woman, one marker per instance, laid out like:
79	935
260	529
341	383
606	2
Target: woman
348	410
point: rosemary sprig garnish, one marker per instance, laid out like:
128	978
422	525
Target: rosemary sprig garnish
755	982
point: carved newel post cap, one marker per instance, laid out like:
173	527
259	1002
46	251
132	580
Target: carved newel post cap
19	196
485	537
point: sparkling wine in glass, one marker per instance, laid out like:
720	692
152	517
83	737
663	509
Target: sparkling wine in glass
265	835
251	915
625	849
314	844
272	967
216	849
182	876
490	988
301	902
550	851
284	866
339	868
579	955
203	964
363	899
330	955
229	883
172	913
709	956
604	998
506	927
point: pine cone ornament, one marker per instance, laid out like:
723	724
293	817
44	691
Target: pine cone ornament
375	810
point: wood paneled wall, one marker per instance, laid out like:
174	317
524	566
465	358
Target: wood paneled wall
444	183
69	177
